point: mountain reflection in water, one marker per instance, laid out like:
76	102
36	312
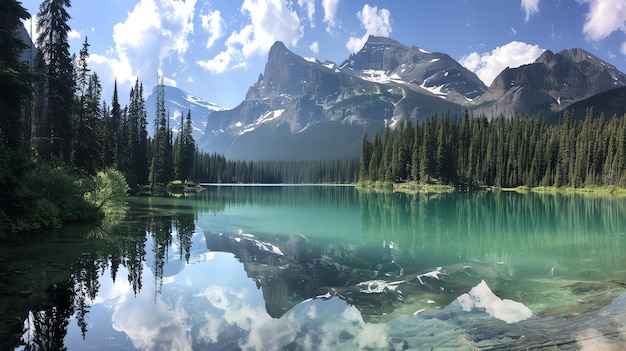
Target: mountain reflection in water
325	268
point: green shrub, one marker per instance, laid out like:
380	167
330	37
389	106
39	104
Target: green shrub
109	190
175	186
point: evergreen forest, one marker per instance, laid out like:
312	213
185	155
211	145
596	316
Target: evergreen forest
65	152
502	152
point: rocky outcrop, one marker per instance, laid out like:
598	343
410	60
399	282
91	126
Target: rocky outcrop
551	83
433	71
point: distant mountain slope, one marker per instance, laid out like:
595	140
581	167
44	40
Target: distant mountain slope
610	103
432	71
551	83
304	108
298	103
177	103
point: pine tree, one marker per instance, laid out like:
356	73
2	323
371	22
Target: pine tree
366	156
56	89
87	147
15	93
142	165
14	77
87	154
159	170
427	155
185	149
107	138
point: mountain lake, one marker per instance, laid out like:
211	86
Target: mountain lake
324	268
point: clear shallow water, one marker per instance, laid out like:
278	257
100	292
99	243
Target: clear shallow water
270	268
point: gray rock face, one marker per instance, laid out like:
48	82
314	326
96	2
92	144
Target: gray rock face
552	82
433	71
298	102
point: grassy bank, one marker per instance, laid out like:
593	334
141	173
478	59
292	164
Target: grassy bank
413	187
407	187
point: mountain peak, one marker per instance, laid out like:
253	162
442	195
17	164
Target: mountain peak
551	83
278	48
376	40
545	57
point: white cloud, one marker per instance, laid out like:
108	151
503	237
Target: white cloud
73	34
330	10
310	10
153	30
221	62
166	80
489	64
214	25
530	7
604	18
315	47
270	21
375	22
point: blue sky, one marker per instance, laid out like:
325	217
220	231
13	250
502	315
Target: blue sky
217	49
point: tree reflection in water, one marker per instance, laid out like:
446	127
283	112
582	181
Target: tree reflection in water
508	239
74	260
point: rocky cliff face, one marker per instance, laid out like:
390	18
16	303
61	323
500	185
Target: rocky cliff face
303	108
435	72
313	100
552	82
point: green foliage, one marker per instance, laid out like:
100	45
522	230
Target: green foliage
162	164
176	186
215	168
110	190
15	87
55	102
184	149
502	152
44	197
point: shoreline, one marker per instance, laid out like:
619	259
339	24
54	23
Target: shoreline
414	188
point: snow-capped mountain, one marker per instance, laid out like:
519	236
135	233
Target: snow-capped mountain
383	59
305	108
177	103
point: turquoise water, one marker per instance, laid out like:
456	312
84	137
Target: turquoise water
311	267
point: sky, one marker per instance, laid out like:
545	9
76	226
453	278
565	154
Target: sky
217	49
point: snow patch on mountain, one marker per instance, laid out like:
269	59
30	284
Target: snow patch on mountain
379	76
435	89
267	117
177	104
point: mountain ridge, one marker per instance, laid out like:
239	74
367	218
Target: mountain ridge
299	103
551	83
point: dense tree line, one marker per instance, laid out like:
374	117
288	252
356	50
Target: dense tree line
57	133
503	152
59	141
215	168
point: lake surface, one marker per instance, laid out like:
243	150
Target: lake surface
324	268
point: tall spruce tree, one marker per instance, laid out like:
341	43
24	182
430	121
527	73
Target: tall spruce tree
185	149
137	136
15	92
56	90
87	142
14	77
366	156
162	153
